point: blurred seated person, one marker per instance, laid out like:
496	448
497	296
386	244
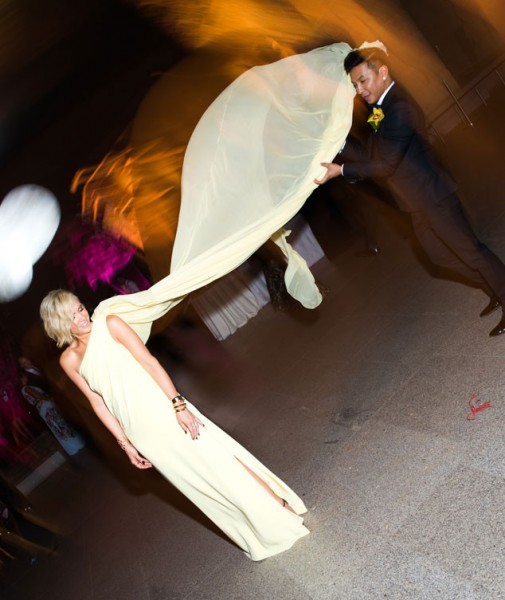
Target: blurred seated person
70	440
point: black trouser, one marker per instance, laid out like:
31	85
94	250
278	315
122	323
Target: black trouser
448	239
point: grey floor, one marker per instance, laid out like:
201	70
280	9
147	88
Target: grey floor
360	405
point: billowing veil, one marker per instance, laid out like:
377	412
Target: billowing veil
249	167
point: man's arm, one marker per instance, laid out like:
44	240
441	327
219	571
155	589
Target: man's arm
391	145
351	150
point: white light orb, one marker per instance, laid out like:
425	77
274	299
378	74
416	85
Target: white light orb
15	269
29	218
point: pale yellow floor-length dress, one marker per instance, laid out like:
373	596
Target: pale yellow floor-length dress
206	470
242	180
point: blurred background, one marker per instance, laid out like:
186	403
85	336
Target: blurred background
99	99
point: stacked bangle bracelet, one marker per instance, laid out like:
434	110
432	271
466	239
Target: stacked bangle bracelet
123	442
179	403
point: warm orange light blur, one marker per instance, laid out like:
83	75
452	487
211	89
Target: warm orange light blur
492	11
231	23
292	26
136	192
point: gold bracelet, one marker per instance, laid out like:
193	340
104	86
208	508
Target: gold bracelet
180	409
123	442
178	398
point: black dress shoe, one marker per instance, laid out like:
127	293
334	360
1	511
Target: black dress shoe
499	329
493	304
369	252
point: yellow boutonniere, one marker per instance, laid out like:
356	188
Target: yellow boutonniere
375	118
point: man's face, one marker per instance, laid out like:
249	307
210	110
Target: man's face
368	83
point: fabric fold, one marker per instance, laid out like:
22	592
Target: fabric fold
248	169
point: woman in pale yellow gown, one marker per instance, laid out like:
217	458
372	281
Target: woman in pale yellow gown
137	401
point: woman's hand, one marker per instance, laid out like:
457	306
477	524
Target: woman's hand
189	423
135	458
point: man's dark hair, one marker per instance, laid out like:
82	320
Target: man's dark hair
374	58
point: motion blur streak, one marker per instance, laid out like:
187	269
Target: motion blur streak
260	26
135	192
135	195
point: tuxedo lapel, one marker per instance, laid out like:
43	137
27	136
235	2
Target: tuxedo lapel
390	97
385	107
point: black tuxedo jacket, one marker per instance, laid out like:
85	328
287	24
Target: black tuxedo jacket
399	153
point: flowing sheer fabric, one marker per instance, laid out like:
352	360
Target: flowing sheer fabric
249	167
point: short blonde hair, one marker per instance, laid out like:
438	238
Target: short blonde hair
56	314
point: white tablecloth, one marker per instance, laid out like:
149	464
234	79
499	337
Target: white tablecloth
231	301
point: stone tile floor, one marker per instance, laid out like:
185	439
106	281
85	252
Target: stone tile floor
361	406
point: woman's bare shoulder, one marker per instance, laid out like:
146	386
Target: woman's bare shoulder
70	359
113	320
115	325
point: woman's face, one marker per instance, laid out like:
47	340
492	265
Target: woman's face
80	323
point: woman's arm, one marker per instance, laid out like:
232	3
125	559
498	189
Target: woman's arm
125	335
68	362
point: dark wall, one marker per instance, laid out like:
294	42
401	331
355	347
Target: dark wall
464	41
73	85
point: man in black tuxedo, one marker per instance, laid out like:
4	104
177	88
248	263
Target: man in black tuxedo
398	152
